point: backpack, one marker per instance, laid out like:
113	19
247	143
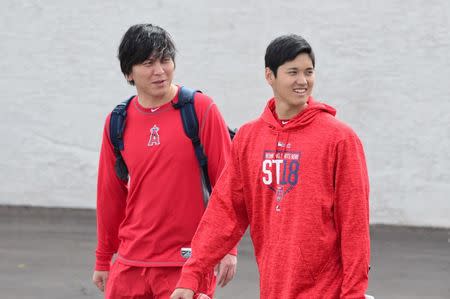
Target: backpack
190	124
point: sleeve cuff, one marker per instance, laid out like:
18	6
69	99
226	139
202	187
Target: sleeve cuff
233	251
102	267
187	281
103	263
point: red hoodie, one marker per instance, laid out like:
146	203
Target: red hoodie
303	188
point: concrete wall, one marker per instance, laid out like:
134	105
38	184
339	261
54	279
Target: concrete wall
383	64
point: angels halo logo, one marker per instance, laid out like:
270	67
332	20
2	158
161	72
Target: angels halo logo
154	136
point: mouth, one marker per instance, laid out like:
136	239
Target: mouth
159	82
300	91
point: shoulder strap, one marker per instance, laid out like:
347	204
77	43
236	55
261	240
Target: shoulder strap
116	129
232	132
190	124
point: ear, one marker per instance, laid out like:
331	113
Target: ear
129	77
269	76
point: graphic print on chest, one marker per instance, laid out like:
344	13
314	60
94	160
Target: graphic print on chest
280	172
154	136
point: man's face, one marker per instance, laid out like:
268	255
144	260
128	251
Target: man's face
294	81
153	76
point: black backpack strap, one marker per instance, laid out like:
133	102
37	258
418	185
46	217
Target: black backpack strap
116	129
190	124
232	132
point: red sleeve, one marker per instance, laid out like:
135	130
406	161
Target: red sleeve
221	227
215	140
352	215
217	143
111	199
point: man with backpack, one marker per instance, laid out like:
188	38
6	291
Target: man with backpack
161	152
297	176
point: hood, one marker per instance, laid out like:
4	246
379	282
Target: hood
304	118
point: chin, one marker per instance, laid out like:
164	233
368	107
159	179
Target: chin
163	89
299	103
158	93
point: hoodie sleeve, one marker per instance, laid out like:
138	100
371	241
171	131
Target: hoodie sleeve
111	198
352	215
221	227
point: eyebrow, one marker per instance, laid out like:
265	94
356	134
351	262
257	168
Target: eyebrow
156	57
296	69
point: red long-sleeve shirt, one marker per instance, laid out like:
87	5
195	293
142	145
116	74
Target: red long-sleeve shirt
303	188
149	219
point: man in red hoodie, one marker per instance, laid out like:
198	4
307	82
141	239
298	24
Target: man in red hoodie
298	177
148	219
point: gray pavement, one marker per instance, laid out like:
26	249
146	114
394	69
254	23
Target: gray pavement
49	253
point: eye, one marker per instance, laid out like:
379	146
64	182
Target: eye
148	62
309	72
292	73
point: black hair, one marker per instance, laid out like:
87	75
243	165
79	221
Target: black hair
286	48
142	41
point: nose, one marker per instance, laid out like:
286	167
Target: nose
158	68
301	80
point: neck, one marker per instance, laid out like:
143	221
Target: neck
150	101
285	112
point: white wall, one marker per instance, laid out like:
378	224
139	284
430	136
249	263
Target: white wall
383	64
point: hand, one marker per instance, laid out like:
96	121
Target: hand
182	294
226	270
100	278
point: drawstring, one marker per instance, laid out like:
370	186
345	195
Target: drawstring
276	142
287	141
